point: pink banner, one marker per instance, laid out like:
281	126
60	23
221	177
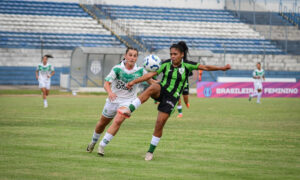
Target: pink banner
243	89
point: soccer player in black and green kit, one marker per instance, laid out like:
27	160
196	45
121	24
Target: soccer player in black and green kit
167	92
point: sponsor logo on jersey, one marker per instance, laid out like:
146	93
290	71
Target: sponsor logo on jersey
122	85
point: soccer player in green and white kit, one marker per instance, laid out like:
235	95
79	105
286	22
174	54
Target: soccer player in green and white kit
175	73
43	74
258	76
118	95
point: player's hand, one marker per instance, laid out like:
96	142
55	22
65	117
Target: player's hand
227	67
36	77
129	85
112	96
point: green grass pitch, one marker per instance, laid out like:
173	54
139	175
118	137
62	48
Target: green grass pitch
216	139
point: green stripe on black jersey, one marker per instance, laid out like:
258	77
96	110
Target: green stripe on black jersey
174	79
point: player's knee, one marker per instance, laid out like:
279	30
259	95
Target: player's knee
154	88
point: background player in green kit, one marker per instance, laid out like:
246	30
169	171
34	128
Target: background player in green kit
175	73
43	74
118	95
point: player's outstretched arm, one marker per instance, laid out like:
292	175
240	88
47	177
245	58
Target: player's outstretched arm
214	68
141	79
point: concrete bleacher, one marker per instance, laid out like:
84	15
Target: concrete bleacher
56	27
161	31
215	30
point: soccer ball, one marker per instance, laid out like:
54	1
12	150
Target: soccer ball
152	63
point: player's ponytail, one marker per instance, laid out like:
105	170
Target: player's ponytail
182	47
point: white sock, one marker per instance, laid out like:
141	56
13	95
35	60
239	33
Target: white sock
95	138
45	101
155	140
108	137
136	103
259	96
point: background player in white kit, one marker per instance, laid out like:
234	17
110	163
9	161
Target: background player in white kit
118	96
43	74
258	76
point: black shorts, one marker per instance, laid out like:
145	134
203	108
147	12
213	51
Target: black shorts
185	90
167	101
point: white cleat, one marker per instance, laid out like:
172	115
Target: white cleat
149	156
125	111
101	150
90	147
45	105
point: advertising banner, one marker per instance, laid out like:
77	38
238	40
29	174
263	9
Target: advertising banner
243	89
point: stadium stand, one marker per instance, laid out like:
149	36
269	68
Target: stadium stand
215	30
56	27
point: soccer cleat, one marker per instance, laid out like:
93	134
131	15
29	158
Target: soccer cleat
179	115
188	105
124	111
149	156
90	147
101	150
45	105
250	98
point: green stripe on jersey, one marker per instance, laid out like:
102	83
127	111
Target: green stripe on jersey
164	81
173	80
123	76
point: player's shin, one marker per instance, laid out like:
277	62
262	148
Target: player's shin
153	144
106	139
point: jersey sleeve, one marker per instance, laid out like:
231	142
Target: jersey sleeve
111	76
163	66
254	73
38	68
190	65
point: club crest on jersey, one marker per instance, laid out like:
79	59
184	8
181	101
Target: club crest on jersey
181	70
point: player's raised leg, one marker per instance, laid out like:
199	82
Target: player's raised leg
152	91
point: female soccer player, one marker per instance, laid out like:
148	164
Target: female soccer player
118	95
167	92
258	76
43	74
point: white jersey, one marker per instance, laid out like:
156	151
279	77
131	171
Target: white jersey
259	73
119	76
44	71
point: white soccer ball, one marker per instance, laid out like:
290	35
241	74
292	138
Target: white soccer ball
152	63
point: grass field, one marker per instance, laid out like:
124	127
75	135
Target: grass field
216	139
